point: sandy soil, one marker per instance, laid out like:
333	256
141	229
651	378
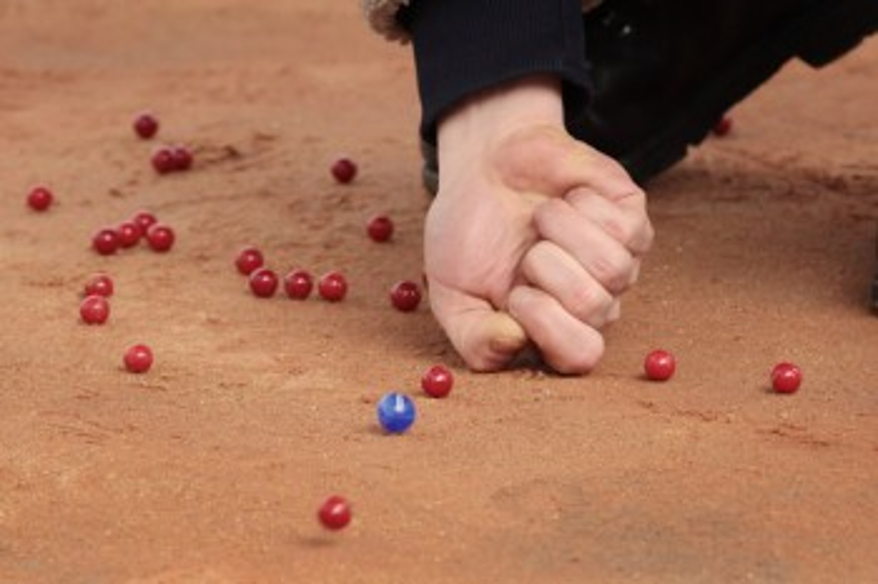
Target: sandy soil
210	467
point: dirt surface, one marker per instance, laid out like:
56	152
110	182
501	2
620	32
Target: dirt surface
210	467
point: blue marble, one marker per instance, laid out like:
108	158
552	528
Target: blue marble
396	412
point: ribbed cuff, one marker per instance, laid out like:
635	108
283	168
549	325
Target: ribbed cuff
465	46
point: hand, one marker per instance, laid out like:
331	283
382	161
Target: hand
532	236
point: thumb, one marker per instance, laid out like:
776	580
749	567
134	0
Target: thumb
487	339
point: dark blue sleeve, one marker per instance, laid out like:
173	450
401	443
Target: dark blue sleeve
464	46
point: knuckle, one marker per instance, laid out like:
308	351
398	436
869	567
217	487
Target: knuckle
635	231
606	164
635	197
580	198
589	303
623	231
613	271
540	250
618	171
623	183
546	213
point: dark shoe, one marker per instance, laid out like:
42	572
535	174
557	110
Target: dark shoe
665	71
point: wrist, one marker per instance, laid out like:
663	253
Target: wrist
485	119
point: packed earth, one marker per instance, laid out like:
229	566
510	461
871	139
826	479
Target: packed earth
203	433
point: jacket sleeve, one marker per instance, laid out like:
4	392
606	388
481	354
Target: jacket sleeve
381	15
462	47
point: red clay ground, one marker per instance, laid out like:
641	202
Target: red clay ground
210	468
